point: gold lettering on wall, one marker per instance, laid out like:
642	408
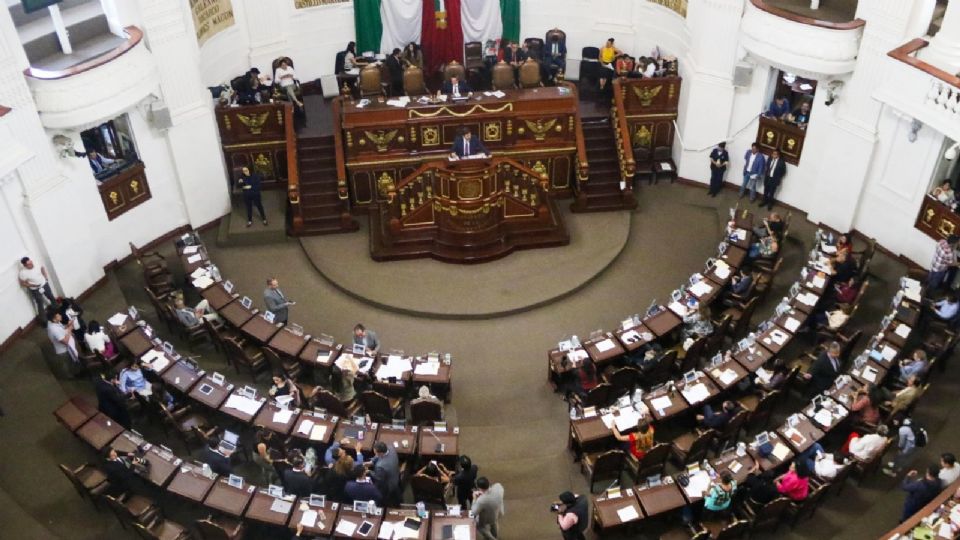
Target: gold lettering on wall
304	4
210	17
677	6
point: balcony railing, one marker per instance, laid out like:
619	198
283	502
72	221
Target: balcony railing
134	36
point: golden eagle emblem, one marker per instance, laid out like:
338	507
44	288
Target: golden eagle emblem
254	122
381	139
540	128
646	95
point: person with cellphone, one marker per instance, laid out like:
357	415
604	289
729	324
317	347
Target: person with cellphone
573	514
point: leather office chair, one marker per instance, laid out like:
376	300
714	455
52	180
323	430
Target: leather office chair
622	379
130	509
427	489
151	262
89	481
371	81
326	400
379	407
691	447
662	369
766	517
603	466
425	411
253	361
534	47
740	318
599	396
219	333
652	462
715	340
278	92
808	507
473	55
413	84
529	74
728	435
191	427
161	529
503	76
220	528
282	363
694	354
760	408
454	69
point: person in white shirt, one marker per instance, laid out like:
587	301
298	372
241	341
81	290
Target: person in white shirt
826	466
651	69
286	78
866	447
949	470
947	307
61	336
98	341
191	317
33	278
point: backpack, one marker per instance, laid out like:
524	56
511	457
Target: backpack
919	435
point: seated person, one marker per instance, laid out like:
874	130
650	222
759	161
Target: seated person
914	366
582	380
697	323
623	65
650	68
117	467
413	56
741	282
359	487
946	308
191	317
511	54
555	54
844	267
97	162
295	479
760	487
827	466
866	405
639	442
944	193
772	225
423	394
132	380
949	470
286	79
98	341
795	484
780	108
436	471
866	447
350	56
466	145
845	292
646	357
843	245
766	248
904	397
718	419
218	462
778	375
283	386
802	116
456	87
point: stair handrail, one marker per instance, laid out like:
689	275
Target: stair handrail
628	165
293	170
582	165
342	191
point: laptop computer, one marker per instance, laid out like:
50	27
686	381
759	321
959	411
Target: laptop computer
317	500
228	443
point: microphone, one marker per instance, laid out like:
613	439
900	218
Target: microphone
440	446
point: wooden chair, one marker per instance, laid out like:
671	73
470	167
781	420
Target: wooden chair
131	509
599	396
839	481
847	343
454	69
726	529
808	507
715	340
662	163
220	528
693	356
603	466
473	55
740	318
767	517
864	469
193	335
217	336
622	379
89	481
371	81
740	300
191	427
503	76
653	462
529	74
254	363
691	447
413	83
427	489
282	364
425	411
760	409
764	279
152	262
379	407
332	404
728	435
662	370
161	529
158	308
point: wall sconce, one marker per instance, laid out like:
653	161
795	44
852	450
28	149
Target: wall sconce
915	126
64	145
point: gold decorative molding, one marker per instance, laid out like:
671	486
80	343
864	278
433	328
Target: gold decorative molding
381	138
254	122
646	95
413	113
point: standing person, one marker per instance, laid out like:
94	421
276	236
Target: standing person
753	168
250	186
487	508
33	278
464	480
465	145
367	338
98	341
395	68
920	491
944	260
111	401
412	56
386	472
719	159
824	370
608	53
771	180
906	444
276	302
573	514
64	344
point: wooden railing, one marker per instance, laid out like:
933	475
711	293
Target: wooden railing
773	134
905	529
342	191
125	190
293	171
134	36
621	132
905	53
796	17
582	169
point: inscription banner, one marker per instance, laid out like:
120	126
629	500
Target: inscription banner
304	4
210	17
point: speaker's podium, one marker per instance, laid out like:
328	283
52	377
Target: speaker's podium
465	211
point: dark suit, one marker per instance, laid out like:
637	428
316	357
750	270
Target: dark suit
250	187
717	172
462	86
218	462
776	168
396	75
386	475
475	147
298	483
362	491
842	272
110	401
119	474
822	373
556	61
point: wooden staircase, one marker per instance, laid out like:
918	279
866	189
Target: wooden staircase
601	192
324	212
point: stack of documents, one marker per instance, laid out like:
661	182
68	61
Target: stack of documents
243	404
155	360
696	393
427	368
701	288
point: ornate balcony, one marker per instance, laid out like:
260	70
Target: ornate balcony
800	44
96	88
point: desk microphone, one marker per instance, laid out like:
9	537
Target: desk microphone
440	446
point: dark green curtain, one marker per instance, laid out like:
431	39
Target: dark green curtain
510	13
366	16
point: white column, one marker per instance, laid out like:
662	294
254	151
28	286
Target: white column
265	21
944	48
193	138
707	96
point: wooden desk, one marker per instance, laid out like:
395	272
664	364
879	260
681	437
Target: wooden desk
402	439
362	436
75	412
287	342
99	431
606	508
236	314
863	376
192	261
265	418
394	517
774	339
216	397
137	342
261	510
720	377
792	320
163	465
753	358
634	337
227	499
427	443
706	297
712	390
440	521
796	303
838	413
771	462
660	499
734	256
677	404
326	518
738	466
663	323
908	314
242	416
602	358
356	518
157	361
329	423
441	384
802	437
118	331
217	296
589	435
722	280
816	282
320	353
399	385
844	394
882	346
735	240
181	376
259	329
891	335
190	483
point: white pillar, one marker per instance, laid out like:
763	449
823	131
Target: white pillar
944	48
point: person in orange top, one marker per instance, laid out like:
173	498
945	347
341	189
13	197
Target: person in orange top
624	65
640	442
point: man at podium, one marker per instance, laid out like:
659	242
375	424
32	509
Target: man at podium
465	146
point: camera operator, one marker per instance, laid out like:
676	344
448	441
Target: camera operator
572	515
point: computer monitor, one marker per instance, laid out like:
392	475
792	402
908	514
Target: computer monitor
793	420
795	289
249	391
246	302
295	328
762	438
654	481
168	347
235	481
217	378
269	316
817	401
230	437
743	344
228	286
361	506
690	376
275	491
676	295
717	359
317	500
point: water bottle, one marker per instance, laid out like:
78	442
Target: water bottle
421	510
207	471
573	412
576	341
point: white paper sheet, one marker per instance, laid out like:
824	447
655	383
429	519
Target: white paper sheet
869	374
722	270
194	258
728	376
808	299
780	451
701	288
608	420
679	309
778	337
630	336
665	166
902	331
305	427
628	419
661	403
699	482
317	432
309	518
203	282
627	513
823	417
461	532
427	368
199	273
158	363
190	250
818	281
346	528
696	393
243	404
888	353
791	324
282	416
281	506
605	345
117	319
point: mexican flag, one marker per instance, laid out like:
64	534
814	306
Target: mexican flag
441	27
